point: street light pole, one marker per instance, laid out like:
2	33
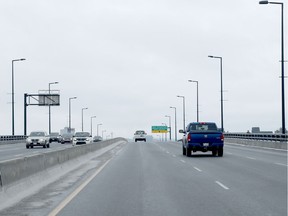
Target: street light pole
175	123
98	129
282	61
103	134
169	125
50	107
165	133
184	124
70	112
13	103
197	98
222	124
91	124
82	117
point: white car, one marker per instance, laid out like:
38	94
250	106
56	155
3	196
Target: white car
82	138
37	138
140	135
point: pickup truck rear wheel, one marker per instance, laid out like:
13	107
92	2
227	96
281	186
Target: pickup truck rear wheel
220	152
184	150
214	152
188	152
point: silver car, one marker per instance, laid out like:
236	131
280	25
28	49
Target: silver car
37	138
82	138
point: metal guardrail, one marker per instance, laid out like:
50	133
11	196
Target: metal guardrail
259	136
12	138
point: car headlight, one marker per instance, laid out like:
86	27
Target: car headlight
41	140
28	140
87	139
75	139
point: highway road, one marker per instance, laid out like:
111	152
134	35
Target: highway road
155	179
18	150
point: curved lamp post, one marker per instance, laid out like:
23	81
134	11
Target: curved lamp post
282	61
175	123
184	124
197	98
82	117
221	77
72	98
13	103
92	124
50	107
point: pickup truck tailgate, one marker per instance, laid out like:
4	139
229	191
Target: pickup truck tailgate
205	138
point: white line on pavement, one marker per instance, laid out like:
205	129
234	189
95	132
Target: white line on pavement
257	147
222	185
197	169
251	158
281	164
77	191
183	161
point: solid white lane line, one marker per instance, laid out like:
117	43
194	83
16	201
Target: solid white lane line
257	147
281	164
222	185
174	155
197	169
18	155
229	153
183	161
76	192
251	158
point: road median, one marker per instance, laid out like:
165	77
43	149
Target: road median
33	172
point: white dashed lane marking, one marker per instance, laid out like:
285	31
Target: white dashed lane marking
222	185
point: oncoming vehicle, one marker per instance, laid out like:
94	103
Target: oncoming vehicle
140	135
82	138
66	138
37	138
97	139
54	137
202	136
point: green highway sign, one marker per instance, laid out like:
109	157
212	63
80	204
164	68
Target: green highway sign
159	129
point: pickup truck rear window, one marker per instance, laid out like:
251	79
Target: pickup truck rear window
203	127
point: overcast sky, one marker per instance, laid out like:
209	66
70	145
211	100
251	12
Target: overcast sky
126	60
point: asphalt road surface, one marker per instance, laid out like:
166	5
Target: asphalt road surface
18	150
155	179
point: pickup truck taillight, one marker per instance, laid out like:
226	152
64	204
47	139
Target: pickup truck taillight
189	137
222	137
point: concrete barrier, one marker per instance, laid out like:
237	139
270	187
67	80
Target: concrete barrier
259	143
11	142
14	170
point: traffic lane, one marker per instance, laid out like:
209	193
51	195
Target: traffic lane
261	181
8	152
269	155
274	156
145	180
48	197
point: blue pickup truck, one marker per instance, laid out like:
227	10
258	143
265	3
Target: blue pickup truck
202	136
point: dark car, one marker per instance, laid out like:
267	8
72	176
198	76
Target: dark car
68	137
54	137
97	139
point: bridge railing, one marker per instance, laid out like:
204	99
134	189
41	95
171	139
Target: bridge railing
12	138
259	136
